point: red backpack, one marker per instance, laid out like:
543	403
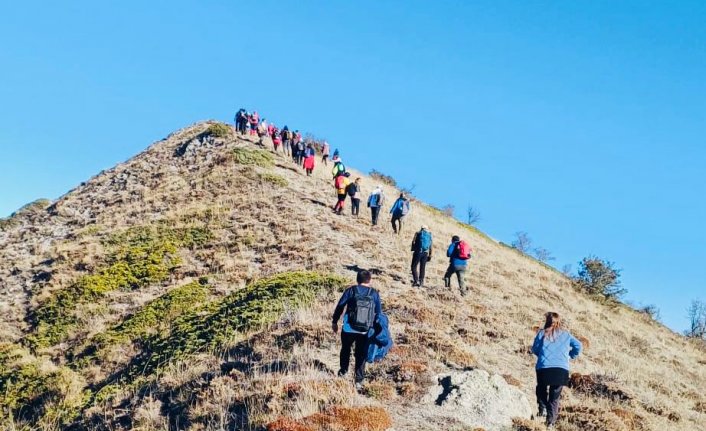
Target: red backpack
464	250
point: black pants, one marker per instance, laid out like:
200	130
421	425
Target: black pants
375	213
419	260
550	382
460	272
355	206
361	353
395	221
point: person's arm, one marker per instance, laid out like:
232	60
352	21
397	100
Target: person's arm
339	308
450	250
414	241
378	304
575	347
537	345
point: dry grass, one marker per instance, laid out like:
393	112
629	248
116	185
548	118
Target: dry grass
261	227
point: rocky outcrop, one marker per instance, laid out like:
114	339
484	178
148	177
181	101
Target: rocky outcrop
479	399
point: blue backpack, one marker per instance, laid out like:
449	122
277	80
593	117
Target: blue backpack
424	240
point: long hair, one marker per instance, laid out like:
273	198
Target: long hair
552	325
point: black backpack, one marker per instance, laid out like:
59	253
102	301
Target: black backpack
352	189
361	311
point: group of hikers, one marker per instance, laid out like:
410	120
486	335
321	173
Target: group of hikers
365	330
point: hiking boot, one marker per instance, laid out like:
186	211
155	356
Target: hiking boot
358	386
415	284
342	373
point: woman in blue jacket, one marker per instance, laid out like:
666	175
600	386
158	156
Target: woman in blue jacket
553	347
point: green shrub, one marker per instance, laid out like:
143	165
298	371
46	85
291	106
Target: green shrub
214	326
379	176
155	317
274	179
219	130
140	256
257	157
599	278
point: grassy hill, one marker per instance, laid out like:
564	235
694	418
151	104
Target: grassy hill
191	287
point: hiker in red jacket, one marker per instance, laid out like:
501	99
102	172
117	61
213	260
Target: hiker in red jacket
276	138
254	121
309	159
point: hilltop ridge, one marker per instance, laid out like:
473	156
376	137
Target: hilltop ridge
191	287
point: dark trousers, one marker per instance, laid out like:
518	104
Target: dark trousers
419	260
397	220
355	206
340	203
360	354
460	271
375	213
550	382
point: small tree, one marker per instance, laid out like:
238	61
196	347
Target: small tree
599	277
651	311
543	255
566	269
697	320
449	210
386	179
472	215
522	242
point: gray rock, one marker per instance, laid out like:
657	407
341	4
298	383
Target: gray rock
479	399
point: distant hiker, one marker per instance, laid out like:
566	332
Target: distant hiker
300	151
375	202
338	168
336	154
421	253
241	120
286	140
353	191
362	306
262	131
254	121
458	252
276	138
341	183
399	209
325	152
309	159
553	347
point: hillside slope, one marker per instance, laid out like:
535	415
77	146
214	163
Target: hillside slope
191	287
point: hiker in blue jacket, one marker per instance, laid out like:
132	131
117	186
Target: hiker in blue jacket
375	202
399	209
421	253
362	306
458	253
553	346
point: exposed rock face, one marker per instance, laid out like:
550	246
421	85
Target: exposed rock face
479	399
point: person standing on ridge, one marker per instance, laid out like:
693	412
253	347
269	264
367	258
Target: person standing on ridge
399	210
341	183
553	346
300	151
276	139
375	202
421	253
254	121
309	159
362	306
240	121
286	140
325	152
354	193
338	167
458	252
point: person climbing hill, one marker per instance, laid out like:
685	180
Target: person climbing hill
309	159
276	138
254	121
399	210
458	253
341	183
325	153
362	306
286	140
553	346
421	253
241	120
338	168
354	192
375	202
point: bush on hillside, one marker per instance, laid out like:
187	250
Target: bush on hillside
246	156
599	277
386	179
219	130
522	242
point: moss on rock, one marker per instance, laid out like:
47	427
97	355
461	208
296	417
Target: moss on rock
256	157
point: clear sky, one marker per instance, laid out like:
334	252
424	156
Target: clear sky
580	122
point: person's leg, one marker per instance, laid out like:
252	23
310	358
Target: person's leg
553	404
416	257
447	276
375	212
361	354
394	224
460	274
541	393
399	228
357	206
347	341
423	258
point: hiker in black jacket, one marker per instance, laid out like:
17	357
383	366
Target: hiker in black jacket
362	306
421	253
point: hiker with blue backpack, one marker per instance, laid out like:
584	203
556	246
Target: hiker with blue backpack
375	202
399	209
458	253
554	347
421	253
362	307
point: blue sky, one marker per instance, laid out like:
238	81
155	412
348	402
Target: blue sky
580	122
